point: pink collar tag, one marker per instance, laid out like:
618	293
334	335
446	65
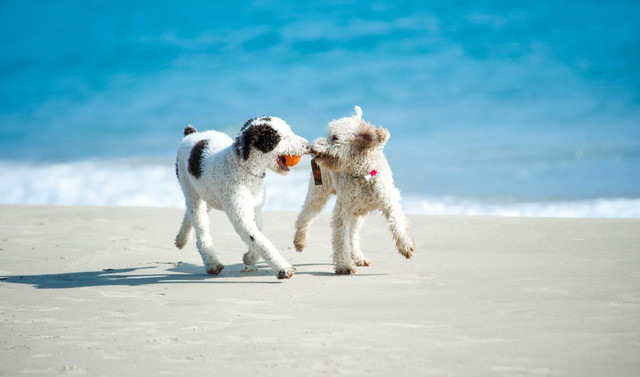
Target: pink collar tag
371	174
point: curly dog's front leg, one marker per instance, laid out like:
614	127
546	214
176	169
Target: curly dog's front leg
341	242
400	229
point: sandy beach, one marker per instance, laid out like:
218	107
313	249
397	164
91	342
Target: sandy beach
102	291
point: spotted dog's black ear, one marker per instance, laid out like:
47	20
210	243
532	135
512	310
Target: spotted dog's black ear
262	136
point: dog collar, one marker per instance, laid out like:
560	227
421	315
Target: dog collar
255	175
246	169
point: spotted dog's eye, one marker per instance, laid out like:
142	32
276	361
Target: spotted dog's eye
334	138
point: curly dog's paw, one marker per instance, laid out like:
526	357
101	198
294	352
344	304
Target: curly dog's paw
407	248
300	242
348	270
362	263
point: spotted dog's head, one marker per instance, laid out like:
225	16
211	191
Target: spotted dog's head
269	139
349	143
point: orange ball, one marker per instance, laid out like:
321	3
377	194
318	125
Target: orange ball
291	160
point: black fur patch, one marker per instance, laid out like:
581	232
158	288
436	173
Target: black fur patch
188	130
195	159
248	123
261	136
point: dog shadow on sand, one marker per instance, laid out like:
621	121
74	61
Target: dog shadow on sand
158	273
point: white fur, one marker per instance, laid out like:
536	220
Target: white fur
355	169
236	186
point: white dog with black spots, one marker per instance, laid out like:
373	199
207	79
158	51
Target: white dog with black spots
215	171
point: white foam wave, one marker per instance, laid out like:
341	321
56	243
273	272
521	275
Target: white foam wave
94	183
595	208
153	184
121	183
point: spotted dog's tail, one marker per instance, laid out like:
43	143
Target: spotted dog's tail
358	112
188	130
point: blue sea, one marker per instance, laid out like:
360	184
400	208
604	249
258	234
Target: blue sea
514	108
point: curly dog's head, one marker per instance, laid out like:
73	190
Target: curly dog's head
350	142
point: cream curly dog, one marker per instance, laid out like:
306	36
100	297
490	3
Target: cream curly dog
216	172
353	167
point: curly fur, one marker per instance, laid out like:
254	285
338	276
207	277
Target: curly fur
216	172
354	168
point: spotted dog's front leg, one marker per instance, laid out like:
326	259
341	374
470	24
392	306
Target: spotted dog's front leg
240	213
252	256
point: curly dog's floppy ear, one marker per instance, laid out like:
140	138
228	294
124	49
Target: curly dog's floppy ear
262	136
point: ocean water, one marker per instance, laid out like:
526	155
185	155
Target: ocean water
495	108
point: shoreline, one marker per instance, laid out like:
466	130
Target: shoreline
103	291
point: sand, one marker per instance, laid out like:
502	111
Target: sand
103	292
